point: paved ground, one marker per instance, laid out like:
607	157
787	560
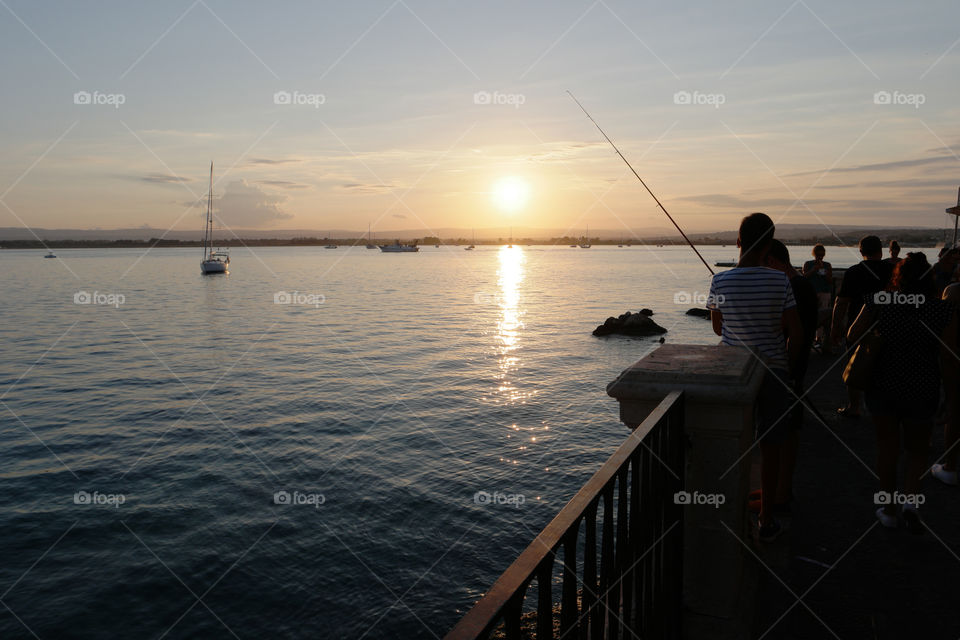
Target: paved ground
836	572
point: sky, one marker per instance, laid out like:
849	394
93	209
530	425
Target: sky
408	114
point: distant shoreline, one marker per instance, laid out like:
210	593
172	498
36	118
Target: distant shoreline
925	240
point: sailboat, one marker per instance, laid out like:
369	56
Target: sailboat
510	246
472	246
586	240
370	244
213	261
621	241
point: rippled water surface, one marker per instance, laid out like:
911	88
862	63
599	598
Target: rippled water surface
412	382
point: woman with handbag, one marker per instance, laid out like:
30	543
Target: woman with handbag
903	385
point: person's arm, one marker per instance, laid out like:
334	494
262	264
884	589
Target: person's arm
808	268
829	276
862	324
839	313
793	331
716	318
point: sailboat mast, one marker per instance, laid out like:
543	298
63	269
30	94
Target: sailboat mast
208	235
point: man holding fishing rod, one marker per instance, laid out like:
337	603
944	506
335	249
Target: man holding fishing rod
753	306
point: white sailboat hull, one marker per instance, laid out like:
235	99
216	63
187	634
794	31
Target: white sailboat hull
213	266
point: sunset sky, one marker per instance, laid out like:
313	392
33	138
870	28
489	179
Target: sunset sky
416	114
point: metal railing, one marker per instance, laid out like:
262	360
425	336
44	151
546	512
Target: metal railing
637	592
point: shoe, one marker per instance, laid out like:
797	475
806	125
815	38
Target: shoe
944	476
890	522
770	532
847	412
911	518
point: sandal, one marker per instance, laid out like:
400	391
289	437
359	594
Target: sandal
890	522
944	476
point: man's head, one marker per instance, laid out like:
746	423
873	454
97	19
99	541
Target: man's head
949	254
819	251
756	233
871	248
894	248
778	256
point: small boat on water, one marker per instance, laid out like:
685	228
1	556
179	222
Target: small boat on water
396	247
50	254
214	261
370	244
472	247
585	241
331	246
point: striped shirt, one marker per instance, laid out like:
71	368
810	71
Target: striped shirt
752	301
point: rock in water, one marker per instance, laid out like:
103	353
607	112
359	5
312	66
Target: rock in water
646	312
630	324
700	313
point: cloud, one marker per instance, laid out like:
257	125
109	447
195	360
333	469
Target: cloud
271	161
283	184
246	205
907	182
727	201
399	215
162	178
882	166
367	187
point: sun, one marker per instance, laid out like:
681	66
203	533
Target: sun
510	193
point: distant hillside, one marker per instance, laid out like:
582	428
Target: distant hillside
18	237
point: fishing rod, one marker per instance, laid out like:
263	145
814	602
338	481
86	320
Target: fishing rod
659	204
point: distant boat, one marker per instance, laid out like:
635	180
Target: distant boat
214	261
370	244
436	246
472	247
510	246
586	240
621	242
50	254
396	247
330	246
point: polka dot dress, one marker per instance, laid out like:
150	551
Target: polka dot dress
908	365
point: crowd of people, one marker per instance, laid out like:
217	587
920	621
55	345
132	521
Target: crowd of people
909	310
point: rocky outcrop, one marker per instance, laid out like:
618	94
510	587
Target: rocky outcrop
700	313
630	324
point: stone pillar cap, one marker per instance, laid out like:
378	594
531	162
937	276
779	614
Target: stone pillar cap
713	374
